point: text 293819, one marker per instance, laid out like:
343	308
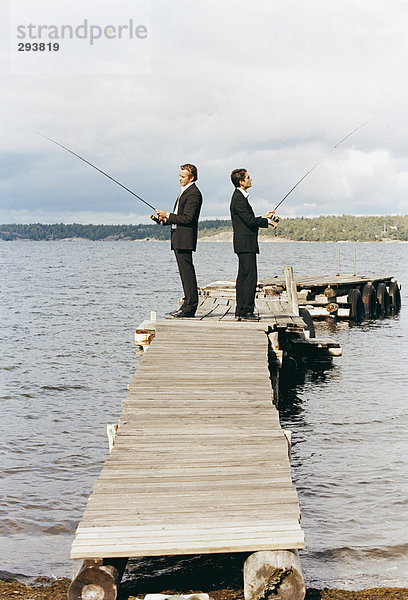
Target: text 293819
38	47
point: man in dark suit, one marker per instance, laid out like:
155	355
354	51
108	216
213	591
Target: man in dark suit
245	227
184	230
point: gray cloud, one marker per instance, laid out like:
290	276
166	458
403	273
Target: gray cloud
270	85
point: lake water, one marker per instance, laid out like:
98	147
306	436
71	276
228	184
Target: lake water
68	314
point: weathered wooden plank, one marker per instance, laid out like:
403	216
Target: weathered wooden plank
187	483
211	471
183	413
191	547
309	281
168	534
219	310
190	528
120	517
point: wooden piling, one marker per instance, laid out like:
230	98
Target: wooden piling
97	579
274	575
291	290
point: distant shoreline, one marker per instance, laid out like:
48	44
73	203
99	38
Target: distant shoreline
319	229
219	237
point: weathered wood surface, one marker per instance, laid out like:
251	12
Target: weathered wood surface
97	580
200	463
303	282
275	575
321	295
274	312
291	290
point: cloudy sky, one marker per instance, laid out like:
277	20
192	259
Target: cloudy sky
270	85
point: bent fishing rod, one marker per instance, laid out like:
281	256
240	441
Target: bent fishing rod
276	218
153	217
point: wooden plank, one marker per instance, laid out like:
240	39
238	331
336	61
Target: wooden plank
191	528
220	310
324	280
180	478
192	547
187	483
182	517
212	471
169	534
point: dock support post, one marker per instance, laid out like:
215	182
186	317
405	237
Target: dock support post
355	258
288	436
291	290
274	575
98	579
275	358
338	259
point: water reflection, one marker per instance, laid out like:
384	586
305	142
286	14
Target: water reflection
292	387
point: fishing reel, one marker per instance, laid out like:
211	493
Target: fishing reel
155	219
275	218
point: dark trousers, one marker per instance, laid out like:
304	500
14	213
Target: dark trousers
186	269
246	283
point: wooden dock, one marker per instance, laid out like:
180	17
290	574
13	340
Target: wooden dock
272	312
347	296
200	463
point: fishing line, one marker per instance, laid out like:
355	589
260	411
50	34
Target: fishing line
321	160
100	171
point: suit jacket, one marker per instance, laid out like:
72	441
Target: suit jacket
245	224
184	237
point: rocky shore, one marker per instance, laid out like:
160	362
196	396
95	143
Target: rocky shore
56	589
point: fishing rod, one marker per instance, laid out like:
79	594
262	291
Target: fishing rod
276	218
153	217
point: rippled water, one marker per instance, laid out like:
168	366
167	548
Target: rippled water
68	312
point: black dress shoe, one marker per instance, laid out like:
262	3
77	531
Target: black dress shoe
181	315
238	317
249	317
172	313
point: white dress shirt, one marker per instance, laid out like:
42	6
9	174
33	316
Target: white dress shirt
246	194
177	201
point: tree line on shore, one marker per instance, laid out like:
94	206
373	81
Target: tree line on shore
318	229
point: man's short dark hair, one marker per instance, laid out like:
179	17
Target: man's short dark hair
237	176
192	169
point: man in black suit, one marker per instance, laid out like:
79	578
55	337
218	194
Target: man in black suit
245	227
184	230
